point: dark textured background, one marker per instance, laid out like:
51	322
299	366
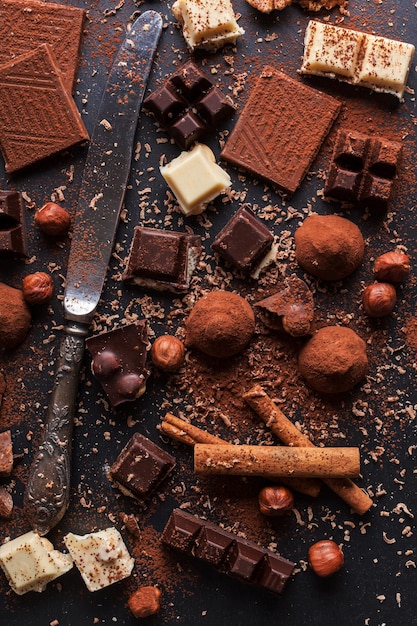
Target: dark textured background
377	585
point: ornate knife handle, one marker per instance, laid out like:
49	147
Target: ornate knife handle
48	488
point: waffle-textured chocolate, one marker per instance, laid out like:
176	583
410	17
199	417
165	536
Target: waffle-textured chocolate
244	241
226	551
188	106
13	241
363	170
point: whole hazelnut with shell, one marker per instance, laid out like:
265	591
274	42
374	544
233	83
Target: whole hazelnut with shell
168	353
392	267
379	299
53	220
275	500
325	557
37	288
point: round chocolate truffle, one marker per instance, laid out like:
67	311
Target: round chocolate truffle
328	246
15	317
220	324
334	360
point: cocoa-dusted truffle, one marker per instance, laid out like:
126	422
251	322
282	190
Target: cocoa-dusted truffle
328	246
334	360
15	317
221	324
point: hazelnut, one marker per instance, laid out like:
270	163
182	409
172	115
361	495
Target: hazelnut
168	353
392	267
325	557
37	288
105	364
275	500
6	503
53	219
145	601
379	299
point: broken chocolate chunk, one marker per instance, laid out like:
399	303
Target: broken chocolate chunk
119	361
290	309
189	106
162	259
13	240
141	467
244	241
363	170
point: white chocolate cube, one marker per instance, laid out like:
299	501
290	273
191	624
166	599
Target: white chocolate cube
30	562
331	50
206	24
386	64
101	558
195	179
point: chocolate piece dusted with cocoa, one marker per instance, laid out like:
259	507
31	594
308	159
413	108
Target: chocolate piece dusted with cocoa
15	317
363	170
141	467
162	259
290	309
244	241
119	361
189	106
52	122
229	553
13	238
281	130
6	453
25	24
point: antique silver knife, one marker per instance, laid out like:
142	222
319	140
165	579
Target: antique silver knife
101	197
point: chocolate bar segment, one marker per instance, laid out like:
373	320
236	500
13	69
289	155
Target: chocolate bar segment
26	24
162	259
226	551
189	106
141	467
51	122
182	531
119	361
13	239
244	241
363	170
280	130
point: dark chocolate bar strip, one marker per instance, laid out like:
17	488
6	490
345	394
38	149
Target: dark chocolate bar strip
226	551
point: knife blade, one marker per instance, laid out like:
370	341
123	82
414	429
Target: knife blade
100	201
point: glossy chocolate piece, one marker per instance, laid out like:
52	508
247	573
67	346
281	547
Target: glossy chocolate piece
141	467
13	239
182	531
226	551
244	241
162	259
119	361
189	106
363	170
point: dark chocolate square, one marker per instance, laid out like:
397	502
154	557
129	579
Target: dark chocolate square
182	531
274	572
213	544
141	467
162	259
244	559
119	361
13	240
244	241
188	106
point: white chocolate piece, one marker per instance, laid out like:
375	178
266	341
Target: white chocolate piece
206	24
195	179
101	558
30	562
358	58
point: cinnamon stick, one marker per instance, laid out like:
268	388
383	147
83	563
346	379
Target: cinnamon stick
276	461
184	432
289	434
